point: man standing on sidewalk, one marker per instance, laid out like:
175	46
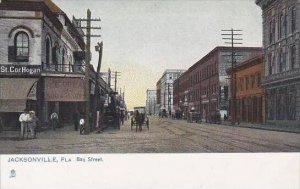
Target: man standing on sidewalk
54	120
24	122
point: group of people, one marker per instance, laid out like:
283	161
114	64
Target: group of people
29	122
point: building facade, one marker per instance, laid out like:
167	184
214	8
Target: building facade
42	62
165	89
204	86
281	42
249	106
151	102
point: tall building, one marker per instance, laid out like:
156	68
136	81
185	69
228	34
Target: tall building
165	89
281	42
151	102
204	86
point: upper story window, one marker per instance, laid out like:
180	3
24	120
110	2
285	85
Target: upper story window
247	82
270	64
48	51
252	81
294	19
258	80
293	56
22	46
271	31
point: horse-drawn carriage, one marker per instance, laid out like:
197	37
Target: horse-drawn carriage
139	118
194	117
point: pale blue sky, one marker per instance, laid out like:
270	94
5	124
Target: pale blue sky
143	38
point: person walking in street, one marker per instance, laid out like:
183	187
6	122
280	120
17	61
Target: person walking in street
54	120
76	118
32	123
24	123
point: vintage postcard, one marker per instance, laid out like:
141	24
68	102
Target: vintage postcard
84	81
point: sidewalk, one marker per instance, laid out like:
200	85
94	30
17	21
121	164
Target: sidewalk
289	129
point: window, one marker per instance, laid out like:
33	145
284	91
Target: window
48	49
22	46
282	61
247	82
252	81
258	79
241	83
270	61
293	57
294	18
271	31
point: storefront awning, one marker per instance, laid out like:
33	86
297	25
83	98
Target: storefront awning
62	89
14	93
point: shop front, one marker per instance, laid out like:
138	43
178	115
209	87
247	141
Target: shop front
16	94
65	96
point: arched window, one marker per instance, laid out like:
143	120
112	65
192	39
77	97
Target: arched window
55	56
48	51
22	46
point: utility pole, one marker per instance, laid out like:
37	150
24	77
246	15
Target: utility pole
116	78
88	36
232	36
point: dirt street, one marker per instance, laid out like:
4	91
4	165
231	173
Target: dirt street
164	136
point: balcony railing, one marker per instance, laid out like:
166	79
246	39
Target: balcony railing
295	73
63	68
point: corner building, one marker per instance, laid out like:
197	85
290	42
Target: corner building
281	42
42	63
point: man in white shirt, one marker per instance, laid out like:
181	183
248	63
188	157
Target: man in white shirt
24	122
54	120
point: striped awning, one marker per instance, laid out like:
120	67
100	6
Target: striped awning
14	93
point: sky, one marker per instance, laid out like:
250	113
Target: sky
143	38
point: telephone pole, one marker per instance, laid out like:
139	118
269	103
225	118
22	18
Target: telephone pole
88	36
116	78
233	37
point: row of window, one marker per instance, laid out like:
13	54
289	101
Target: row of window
20	51
283	59
203	74
249	82
286	23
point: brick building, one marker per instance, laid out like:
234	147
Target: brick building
204	86
42	62
281	42
249	92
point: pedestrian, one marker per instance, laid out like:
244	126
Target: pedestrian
81	124
76	118
122	117
54	120
32	123
24	123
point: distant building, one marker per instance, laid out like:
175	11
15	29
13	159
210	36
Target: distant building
281	41
204	86
249	92
165	89
151	102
